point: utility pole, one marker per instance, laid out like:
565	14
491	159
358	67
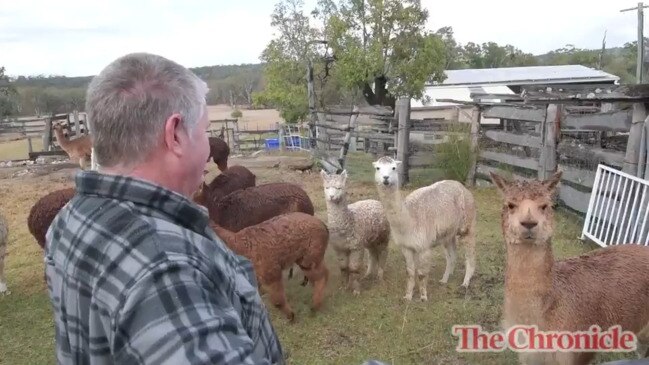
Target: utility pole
640	55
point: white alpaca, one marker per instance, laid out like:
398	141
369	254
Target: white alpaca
354	228
428	217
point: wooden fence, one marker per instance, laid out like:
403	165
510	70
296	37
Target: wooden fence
572	130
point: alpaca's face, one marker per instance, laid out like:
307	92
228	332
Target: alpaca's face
527	214
334	186
386	172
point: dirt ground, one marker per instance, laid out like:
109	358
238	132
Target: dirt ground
261	119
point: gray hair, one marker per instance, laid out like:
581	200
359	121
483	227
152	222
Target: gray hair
129	101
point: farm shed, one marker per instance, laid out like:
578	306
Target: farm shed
461	85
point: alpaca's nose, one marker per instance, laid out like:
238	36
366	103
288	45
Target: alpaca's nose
386	180
529	224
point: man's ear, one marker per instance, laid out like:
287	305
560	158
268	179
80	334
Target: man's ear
173	129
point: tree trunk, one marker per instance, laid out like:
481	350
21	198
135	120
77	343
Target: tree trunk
381	96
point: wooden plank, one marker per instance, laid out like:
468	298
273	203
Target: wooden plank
528	163
484	171
593	154
512	138
574	198
617	121
548	152
422	159
516	113
581	177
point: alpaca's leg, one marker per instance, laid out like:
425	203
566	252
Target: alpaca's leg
383	258
278	298
372	263
343	264
409	255
318	276
450	249
3	280
424	262
355	264
468	241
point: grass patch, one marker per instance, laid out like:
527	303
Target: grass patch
349	330
18	149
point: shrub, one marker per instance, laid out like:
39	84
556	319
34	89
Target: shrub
454	157
236	113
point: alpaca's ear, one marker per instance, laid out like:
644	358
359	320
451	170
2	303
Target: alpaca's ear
344	174
500	182
397	162
324	174
553	181
374	164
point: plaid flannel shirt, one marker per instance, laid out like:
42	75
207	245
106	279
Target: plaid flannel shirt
136	276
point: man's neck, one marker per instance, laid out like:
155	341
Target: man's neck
146	172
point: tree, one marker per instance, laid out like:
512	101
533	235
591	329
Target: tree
8	95
285	58
382	47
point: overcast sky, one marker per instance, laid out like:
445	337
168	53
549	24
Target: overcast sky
78	38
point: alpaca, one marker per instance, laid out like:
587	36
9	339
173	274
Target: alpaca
250	206
605	287
44	210
274	245
355	228
4	241
232	179
77	149
428	217
219	152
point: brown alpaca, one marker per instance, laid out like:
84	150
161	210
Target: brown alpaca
605	287
77	149
246	207
232	179
219	152
44	210
278	243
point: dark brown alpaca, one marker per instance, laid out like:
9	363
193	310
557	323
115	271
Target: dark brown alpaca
219	152
275	245
44	210
233	179
605	287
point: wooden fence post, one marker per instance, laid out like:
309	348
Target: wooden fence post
475	128
548	158
403	136
632	156
47	135
75	119
348	135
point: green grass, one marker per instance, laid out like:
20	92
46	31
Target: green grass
349	330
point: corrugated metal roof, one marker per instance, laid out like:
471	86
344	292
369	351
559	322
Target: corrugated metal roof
462	93
527	75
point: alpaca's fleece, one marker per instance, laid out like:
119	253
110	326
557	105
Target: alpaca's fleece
275	244
4	241
247	207
435	215
233	179
605	287
356	227
44	210
219	152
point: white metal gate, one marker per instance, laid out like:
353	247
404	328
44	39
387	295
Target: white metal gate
618	208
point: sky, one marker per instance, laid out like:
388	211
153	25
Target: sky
78	38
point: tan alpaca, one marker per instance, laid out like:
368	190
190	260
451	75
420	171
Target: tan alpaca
605	287
77	149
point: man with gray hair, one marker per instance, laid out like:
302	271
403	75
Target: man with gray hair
135	275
